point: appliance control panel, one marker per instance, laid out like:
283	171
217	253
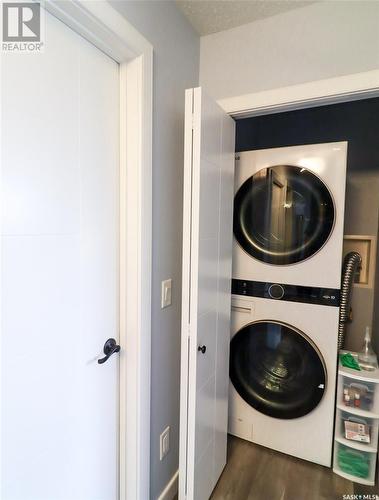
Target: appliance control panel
292	293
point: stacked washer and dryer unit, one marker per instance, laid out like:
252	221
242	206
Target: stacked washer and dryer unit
288	237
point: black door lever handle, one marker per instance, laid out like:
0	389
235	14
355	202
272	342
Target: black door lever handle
110	347
202	348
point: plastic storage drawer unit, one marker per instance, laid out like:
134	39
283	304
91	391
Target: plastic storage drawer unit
358	394
356	425
355	463
357	429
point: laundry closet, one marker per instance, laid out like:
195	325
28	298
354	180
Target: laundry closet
263	247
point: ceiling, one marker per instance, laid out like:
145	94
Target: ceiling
211	16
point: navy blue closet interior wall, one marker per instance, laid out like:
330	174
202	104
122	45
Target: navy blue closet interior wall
356	122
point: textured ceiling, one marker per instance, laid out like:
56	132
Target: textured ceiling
210	16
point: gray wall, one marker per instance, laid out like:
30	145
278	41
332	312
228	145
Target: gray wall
322	40
362	218
176	67
375	319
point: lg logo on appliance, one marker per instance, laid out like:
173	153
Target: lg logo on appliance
22	27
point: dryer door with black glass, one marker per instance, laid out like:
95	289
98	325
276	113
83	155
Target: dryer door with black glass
283	214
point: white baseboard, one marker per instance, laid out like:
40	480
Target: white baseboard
171	488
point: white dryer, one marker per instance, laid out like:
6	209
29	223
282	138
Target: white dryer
289	213
283	363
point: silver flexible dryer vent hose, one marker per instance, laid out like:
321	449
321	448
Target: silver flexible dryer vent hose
351	263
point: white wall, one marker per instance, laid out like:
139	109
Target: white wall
322	40
176	67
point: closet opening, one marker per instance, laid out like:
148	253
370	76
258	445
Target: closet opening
295	218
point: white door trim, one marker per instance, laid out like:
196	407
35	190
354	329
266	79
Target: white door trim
105	28
304	95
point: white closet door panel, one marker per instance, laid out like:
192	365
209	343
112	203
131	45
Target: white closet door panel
207	254
209	198
207	275
207	327
209	116
224	294
203	485
204	417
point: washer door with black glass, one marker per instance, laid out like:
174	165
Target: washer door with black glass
283	214
277	369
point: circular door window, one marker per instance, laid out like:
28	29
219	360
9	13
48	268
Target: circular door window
283	215
277	369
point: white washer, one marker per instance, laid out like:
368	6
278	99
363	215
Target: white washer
289	214
283	374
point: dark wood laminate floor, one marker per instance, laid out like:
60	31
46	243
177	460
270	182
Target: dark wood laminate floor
257	473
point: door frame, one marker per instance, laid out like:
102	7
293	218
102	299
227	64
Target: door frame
105	28
305	95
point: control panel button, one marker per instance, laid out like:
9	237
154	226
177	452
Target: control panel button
276	291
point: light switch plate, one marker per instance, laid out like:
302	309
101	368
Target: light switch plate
166	293
164	443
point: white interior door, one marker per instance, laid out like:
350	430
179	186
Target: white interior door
60	271
207	259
